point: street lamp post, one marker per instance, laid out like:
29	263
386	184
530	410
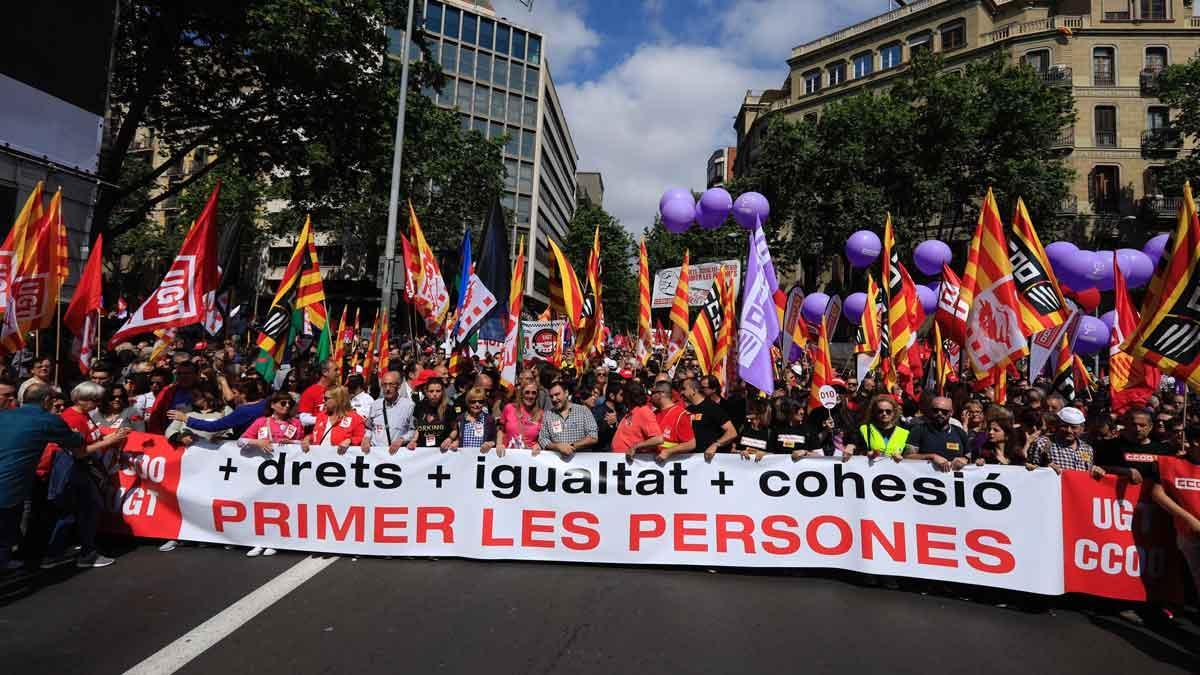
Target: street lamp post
389	252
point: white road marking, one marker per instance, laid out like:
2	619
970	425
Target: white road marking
192	644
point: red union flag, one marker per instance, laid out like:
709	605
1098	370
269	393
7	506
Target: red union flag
179	299
477	302
952	308
994	336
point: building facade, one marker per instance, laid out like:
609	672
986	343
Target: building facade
590	186
1107	52
498	81
719	171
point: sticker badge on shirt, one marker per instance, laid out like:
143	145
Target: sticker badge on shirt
1139	457
345	423
756	443
264	432
791	440
697	417
290	430
951	445
556	426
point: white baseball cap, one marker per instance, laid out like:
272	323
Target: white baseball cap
1071	415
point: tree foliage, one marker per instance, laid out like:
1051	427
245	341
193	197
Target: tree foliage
1177	87
927	150
618	262
296	94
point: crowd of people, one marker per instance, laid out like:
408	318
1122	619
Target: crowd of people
59	435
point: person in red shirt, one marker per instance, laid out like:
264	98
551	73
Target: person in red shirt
312	400
1177	490
338	424
638	430
673	420
84	483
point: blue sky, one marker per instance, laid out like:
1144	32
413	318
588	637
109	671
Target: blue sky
651	87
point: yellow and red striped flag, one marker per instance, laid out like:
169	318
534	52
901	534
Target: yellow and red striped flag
727	331
512	338
679	314
37	281
566	298
1168	335
369	359
994	335
703	334
432	296
896	306
822	374
339	348
867	336
591	336
1064	361
643	336
13	248
1042	304
300	290
384	346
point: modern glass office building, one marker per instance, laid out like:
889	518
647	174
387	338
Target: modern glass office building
498	80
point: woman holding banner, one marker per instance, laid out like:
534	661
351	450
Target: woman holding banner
337	424
521	418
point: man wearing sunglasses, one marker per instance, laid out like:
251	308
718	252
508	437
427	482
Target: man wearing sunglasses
943	444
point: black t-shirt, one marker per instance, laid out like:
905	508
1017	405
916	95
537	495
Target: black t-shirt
431	427
950	443
790	439
757	440
735	408
1120	452
707	420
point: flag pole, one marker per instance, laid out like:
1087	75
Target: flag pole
97	333
57	338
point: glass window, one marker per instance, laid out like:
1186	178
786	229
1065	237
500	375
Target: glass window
452	16
502	38
510	174
812	82
482	99
487	30
1104	72
529	119
1039	60
429	92
516	76
450	58
921	42
435	50
1157	117
513	146
527	139
864	65
466	61
433	17
465	92
514	109
518	43
446	95
498	105
1156	58
500	74
524	204
510	201
535	49
531	81
470	21
1106	126
954	36
891	56
483	67
479	125
395	41
465	120
525	182
837	74
497	129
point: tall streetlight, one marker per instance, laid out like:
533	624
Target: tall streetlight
389	251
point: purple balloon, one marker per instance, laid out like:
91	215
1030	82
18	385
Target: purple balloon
713	208
1156	247
930	255
1091	336
1081	271
678	214
814	306
1104	260
863	248
673	193
1109	318
929	299
751	210
1143	269
1060	251
935	286
853	307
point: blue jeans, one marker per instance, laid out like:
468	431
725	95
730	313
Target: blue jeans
84	515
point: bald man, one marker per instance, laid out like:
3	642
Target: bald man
937	441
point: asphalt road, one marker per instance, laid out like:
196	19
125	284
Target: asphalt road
460	616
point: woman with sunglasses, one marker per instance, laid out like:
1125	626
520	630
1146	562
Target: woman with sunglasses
880	434
278	426
117	412
337	424
475	427
521	418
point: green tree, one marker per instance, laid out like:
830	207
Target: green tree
618	262
1177	87
926	151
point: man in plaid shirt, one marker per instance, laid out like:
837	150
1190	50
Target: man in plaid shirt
1066	449
566	427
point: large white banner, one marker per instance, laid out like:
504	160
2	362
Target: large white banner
993	526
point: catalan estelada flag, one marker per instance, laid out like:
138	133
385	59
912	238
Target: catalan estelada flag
994	331
1042	304
1168	335
300	293
899	316
866	337
726	331
703	335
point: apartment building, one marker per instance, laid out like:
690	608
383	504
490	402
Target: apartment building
719	169
498	81
1107	52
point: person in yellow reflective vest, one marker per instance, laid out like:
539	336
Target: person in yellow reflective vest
881	435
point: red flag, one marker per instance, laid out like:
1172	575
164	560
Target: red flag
994	337
952	308
179	299
88	297
412	269
822	373
1131	382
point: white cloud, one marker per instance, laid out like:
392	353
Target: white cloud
771	28
651	121
569	40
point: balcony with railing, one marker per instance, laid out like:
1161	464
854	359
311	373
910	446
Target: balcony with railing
1069	206
1162	139
1162	207
1104	78
1149	79
864	26
1061	24
1057	76
1122	15
1106	139
1065	139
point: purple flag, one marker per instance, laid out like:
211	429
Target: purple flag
759	326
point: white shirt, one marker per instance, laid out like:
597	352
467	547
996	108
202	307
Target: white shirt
394	420
144	402
361	402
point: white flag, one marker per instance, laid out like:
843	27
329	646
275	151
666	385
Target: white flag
477	302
